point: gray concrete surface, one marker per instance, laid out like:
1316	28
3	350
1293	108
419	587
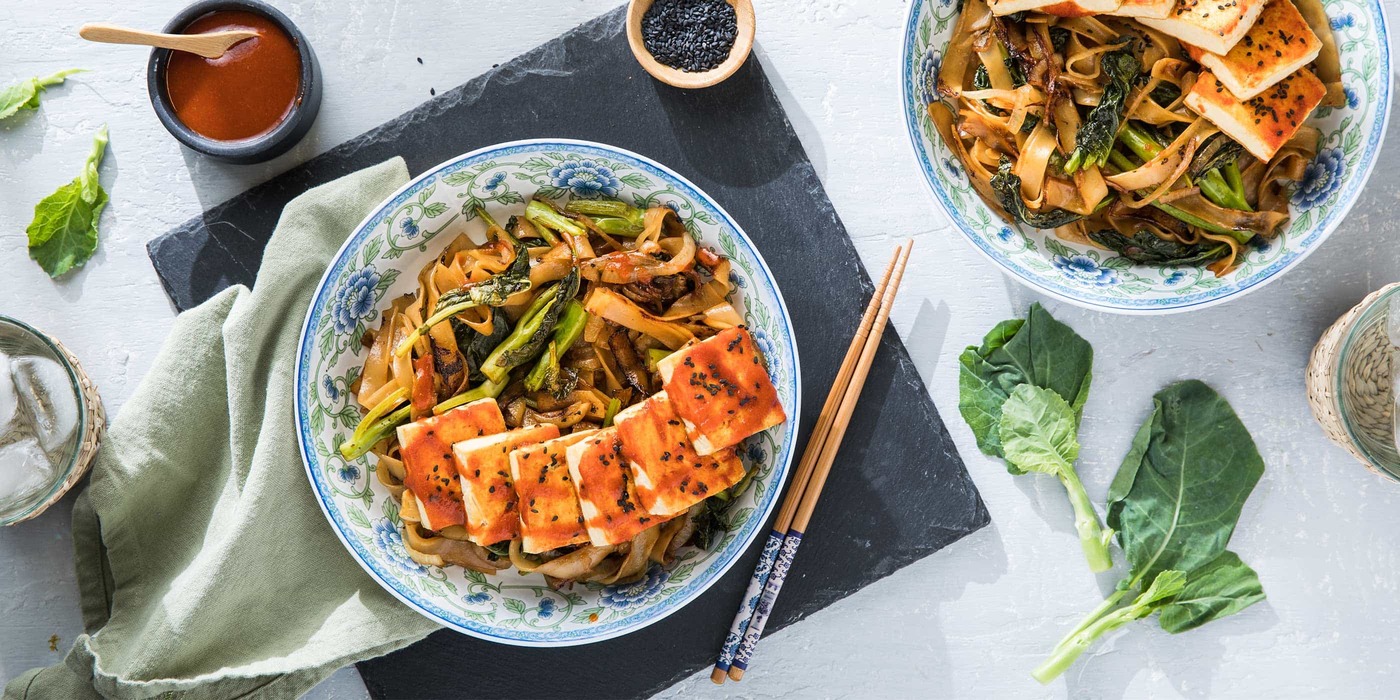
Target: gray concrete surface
970	621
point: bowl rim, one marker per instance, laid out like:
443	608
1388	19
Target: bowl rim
62	482
923	162
781	466
257	148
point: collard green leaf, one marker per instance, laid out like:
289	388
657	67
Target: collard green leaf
1177	497
63	234
1038	432
25	93
1223	587
1039	351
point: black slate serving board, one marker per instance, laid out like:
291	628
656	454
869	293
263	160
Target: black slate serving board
899	491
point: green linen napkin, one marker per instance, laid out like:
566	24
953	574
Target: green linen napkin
205	566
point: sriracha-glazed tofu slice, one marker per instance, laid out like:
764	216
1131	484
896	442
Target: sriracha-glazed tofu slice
669	476
550	517
603	483
720	389
426	446
488	492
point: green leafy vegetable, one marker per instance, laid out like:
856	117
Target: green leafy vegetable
548	319
25	94
1096	135
1214	186
611	216
546	372
1223	587
1165	586
1038	350
1038	434
1150	249
477	346
63	234
363	440
1008	189
532	331
490	292
548	220
1175	503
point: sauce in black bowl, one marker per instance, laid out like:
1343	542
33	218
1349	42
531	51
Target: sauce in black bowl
250	105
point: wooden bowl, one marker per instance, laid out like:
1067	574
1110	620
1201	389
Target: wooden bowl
743	44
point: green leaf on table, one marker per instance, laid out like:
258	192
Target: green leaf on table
1175	503
1038	433
1179	492
63	234
1039	351
25	93
1223	587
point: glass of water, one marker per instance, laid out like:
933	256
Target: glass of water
43	416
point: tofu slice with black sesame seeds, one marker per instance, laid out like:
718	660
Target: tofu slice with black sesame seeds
1156	9
720	389
1262	124
550	516
488	492
668	474
425	446
1278	44
1211	25
611	511
1059	8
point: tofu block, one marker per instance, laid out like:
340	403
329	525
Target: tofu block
667	473
1061	8
426	448
1156	9
1263	124
1211	25
721	390
550	516
611	511
488	492
1279	44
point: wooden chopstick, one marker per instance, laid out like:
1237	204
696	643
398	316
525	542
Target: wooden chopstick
800	479
816	463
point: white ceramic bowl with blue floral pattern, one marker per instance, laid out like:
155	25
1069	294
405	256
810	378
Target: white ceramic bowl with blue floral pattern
1098	279
379	263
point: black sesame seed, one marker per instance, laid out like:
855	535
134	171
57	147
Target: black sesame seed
690	35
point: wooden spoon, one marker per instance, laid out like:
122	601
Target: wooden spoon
212	45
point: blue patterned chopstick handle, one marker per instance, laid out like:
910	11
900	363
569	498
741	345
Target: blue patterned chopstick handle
765	601
746	608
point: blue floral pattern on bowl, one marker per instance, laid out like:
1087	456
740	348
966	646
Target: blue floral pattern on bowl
1321	178
1083	269
586	178
628	595
390	543
1088	276
354	301
368	274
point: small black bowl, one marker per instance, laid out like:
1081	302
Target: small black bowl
259	148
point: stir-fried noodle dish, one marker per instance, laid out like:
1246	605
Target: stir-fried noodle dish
566	398
1167	131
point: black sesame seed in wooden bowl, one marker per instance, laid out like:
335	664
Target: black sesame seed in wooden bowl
690	43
